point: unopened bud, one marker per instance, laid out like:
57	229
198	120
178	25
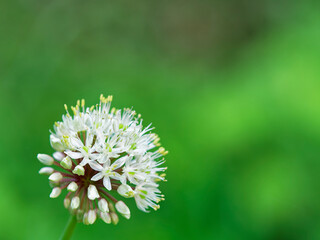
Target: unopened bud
93	192
105	217
45	159
103	205
123	209
66	162
46	171
55	192
79	170
72	187
75	202
55	177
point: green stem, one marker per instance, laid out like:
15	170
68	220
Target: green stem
67	233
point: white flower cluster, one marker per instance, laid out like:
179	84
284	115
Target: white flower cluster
101	152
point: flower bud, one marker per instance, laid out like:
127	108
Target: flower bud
55	177
66	202
123	209
75	202
55	192
45	159
46	171
56	144
92	192
125	191
66	162
72	187
114	218
92	216
79	170
79	215
105	217
58	156
85	219
103	205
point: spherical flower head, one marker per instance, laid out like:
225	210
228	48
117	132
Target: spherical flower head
104	156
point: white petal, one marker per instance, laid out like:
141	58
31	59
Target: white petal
107	183
97	177
77	143
96	166
84	161
118	163
93	192
73	155
45	159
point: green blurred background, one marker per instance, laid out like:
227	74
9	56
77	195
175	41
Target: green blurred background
232	88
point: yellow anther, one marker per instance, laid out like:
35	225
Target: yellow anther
82	103
162	151
78	102
74	110
57	124
66	107
92	107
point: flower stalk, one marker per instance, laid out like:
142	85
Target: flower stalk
68	231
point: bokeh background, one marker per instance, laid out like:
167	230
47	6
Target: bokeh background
232	87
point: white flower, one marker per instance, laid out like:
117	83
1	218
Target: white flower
147	195
100	154
107	171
